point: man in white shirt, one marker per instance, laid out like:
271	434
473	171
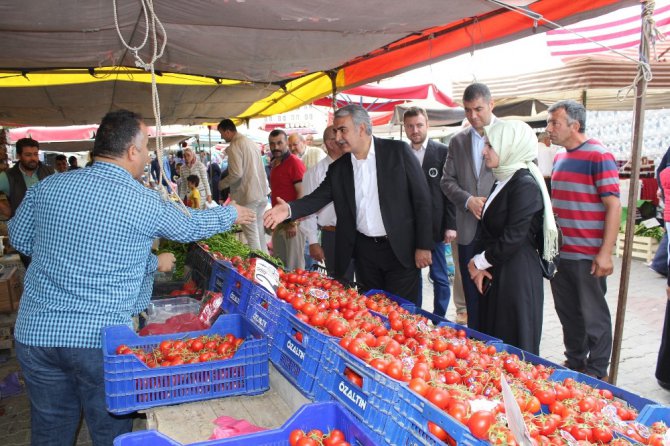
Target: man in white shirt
246	180
324	220
432	156
382	204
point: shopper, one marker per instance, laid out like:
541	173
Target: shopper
193	166
516	229
90	234
585	195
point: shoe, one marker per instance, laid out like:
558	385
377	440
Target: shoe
663	384
601	378
462	318
567	365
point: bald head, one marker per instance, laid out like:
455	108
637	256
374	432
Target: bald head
296	144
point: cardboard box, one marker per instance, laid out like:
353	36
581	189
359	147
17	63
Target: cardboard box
11	289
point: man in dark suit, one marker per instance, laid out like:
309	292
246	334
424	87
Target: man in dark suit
382	204
466	181
432	156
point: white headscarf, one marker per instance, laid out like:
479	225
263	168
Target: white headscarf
516	146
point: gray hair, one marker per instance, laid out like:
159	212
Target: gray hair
574	111
358	115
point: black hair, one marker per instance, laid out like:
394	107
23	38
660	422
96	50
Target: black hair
226	124
116	133
25	142
193	179
476	90
277	132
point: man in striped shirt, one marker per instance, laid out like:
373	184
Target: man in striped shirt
585	196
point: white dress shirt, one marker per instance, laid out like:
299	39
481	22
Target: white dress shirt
421	153
326	216
368	211
480	259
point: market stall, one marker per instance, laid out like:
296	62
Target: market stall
402	375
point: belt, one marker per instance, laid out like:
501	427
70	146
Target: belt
327	228
380	239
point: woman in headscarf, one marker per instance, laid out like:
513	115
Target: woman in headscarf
193	166
517	227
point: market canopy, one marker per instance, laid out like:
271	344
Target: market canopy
594	81
63	63
80	138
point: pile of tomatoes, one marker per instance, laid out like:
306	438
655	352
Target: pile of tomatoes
316	437
454	372
186	351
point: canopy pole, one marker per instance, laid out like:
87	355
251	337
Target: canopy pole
333	82
638	127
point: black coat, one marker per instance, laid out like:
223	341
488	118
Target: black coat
444	213
509	230
403	198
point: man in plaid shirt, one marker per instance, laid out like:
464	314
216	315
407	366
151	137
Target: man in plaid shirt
89	234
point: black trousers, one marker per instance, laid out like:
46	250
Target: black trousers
663	364
328	245
377	267
579	299
472	296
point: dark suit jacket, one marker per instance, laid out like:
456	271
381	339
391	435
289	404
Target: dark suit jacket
403	198
444	213
460	182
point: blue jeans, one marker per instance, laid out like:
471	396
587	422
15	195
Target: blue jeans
660	261
61	382
439	273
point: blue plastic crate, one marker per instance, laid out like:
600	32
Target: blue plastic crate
298	357
131	385
653	413
324	416
233	286
469	332
633	400
372	403
402	303
264	311
143	438
409	423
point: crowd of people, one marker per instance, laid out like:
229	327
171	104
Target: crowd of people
371	210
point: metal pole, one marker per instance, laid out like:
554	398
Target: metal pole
638	127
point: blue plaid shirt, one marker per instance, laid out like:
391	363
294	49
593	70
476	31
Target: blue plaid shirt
89	233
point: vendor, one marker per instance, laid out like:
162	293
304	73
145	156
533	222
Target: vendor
89	234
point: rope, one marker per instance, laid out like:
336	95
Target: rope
650	33
154	31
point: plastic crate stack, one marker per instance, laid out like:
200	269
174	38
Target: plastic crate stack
388	411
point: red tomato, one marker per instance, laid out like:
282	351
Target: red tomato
123	349
601	434
436	430
438	396
419	386
480	422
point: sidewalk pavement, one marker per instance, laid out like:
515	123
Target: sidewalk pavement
643	325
